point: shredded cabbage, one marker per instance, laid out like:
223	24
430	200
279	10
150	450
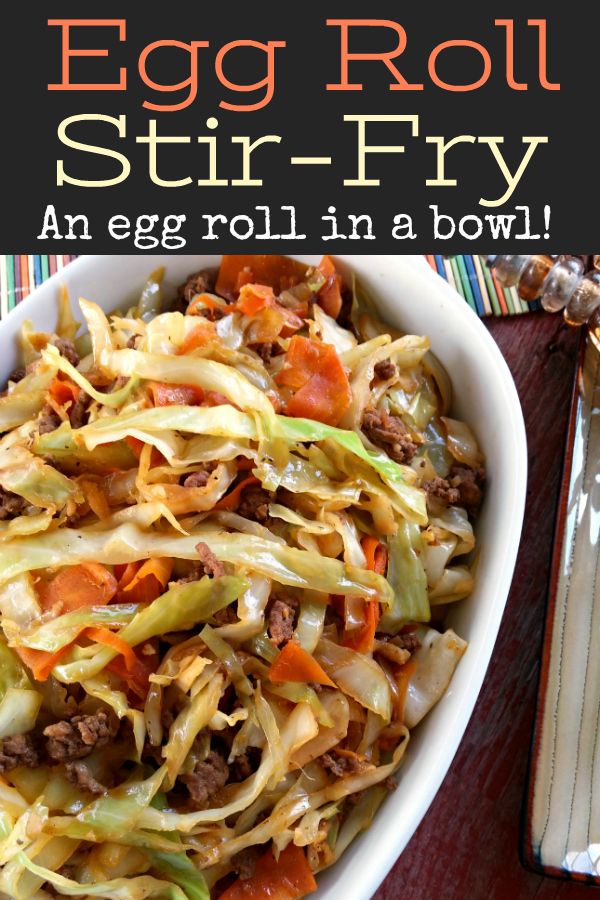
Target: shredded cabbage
231	673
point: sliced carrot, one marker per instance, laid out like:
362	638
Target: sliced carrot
330	295
199	337
108	639
277	272
315	373
361	639
87	584
132	670
286	878
232	499
204	301
95	497
126	573
149	581
403	676
376	554
295	664
136	446
41	662
254	297
64	391
214	398
175	394
147	663
270	318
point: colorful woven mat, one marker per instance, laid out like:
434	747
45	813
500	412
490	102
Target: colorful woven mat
479	286
19	275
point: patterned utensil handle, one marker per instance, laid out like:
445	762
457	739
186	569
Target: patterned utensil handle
562	822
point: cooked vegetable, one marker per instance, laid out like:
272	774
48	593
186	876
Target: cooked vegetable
221	531
295	664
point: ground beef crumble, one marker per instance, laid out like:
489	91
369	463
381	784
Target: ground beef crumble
340	764
199	283
77	738
225	616
78	774
11	505
18	750
441	489
468	482
254	504
389	433
49	420
211	565
385	369
67	349
207	778
245	764
195	574
408	641
78	414
197	479
244	862
281	621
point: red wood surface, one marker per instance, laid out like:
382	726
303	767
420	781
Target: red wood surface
467	847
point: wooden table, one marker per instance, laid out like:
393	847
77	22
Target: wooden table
467	847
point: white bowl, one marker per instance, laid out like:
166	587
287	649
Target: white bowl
411	297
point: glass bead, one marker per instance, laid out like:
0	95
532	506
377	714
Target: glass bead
595	328
533	277
508	269
561	283
584	301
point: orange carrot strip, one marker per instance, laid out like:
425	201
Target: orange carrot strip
41	662
109	639
330	295
64	391
287	878
315	373
199	337
126	573
136	446
175	394
232	499
87	584
277	272
96	498
149	581
204	301
254	297
214	398
361	639
376	554
295	664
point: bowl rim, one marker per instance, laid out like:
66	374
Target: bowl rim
391	844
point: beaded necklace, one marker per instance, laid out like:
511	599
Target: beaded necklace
570	284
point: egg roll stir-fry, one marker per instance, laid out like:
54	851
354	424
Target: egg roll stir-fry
231	524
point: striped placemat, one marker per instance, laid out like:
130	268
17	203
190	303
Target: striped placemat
20	274
479	286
